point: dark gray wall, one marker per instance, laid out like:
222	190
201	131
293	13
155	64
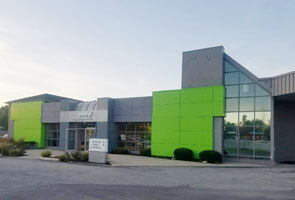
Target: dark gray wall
137	109
284	131
202	68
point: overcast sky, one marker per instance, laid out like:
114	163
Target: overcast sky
120	48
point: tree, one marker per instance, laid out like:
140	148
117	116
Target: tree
4	117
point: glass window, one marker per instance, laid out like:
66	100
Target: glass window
232	91
231	119
131	127
262	103
260	92
246	142
262	118
232	104
246	104
244	79
231	78
247	90
140	127
262	141
229	68
246	119
231	132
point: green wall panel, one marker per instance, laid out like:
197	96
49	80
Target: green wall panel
27	122
184	118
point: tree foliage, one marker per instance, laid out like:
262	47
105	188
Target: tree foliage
4	117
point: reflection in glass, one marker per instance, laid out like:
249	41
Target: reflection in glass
260	92
231	119
247	90
262	103
246	119
229	68
247	104
231	78
262	141
232	104
232	91
244	79
230	140
246	143
262	118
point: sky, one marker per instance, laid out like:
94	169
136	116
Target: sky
86	49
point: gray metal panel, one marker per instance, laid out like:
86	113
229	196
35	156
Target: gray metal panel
63	135
137	109
291	83
218	134
50	112
284	84
202	67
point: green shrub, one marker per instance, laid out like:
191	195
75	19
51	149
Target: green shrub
63	158
84	156
183	154
16	152
210	156
146	152
9	147
5	148
20	143
75	156
46	153
121	150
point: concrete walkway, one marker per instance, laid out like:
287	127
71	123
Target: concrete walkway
117	160
142	161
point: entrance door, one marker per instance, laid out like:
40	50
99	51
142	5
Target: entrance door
71	139
89	133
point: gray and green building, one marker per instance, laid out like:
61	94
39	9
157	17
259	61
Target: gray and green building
221	106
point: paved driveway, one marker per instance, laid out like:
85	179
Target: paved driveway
34	179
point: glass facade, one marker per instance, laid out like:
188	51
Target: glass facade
248	116
52	135
134	136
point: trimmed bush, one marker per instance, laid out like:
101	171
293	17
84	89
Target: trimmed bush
16	152
121	150
75	156
146	152
46	153
210	156
183	154
84	156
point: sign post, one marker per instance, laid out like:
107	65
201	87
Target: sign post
98	149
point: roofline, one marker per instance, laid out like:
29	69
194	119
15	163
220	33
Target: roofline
39	99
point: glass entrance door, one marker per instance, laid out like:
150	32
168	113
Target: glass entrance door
89	133
71	139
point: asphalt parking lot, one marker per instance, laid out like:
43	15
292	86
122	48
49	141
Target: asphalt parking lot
34	179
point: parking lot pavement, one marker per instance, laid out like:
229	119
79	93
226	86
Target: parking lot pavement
34	179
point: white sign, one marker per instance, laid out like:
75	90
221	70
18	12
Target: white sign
100	145
84	116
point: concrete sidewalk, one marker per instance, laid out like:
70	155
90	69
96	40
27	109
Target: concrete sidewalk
117	160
